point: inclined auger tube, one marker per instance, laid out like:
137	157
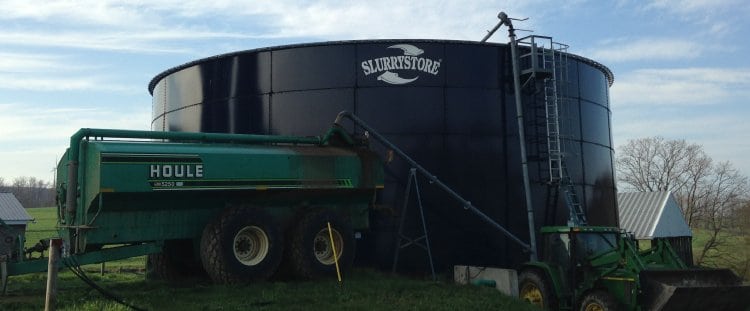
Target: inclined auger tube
433	179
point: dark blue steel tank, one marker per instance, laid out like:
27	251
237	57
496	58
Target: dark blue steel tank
448	104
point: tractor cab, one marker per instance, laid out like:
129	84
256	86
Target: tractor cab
571	261
572	250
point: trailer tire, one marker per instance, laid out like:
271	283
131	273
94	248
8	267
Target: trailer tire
599	301
176	262
534	289
240	246
311	255
158	267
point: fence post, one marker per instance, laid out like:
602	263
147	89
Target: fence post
50	300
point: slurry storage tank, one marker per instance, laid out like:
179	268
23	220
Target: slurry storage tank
448	104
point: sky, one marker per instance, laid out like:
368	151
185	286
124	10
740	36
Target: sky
681	67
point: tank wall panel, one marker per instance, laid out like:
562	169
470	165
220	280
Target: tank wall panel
304	113
188	119
473	111
185	88
409	110
312	68
478	71
241	76
592	85
598	165
159	101
457	119
595	122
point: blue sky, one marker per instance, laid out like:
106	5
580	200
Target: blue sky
681	67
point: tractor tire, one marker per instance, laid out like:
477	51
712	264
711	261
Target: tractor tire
311	255
599	301
176	262
534	288
240	246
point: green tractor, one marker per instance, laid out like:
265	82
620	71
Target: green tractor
601	268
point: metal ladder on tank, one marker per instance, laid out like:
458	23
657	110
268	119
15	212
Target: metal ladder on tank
545	65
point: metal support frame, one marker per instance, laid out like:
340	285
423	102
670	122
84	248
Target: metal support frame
504	19
432	178
417	241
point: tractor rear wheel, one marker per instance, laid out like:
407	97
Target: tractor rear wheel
312	253
241	245
534	289
598	301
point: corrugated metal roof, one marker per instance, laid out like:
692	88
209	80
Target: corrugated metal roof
651	215
11	211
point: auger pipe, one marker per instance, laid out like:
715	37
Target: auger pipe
521	133
432	178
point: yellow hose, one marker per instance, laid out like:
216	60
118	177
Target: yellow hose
335	255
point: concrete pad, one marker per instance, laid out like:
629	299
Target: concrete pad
506	280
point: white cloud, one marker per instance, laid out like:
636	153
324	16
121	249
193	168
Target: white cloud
625	50
23	122
702	7
148	26
29	62
716	131
141	42
681	86
34	137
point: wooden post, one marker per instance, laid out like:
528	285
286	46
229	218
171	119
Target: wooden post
3	274
50	300
102	269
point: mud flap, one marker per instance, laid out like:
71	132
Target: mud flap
718	289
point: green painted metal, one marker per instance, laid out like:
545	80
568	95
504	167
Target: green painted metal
103	255
622	270
121	187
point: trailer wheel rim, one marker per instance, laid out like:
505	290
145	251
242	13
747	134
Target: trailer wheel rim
322	246
593	306
532	294
250	245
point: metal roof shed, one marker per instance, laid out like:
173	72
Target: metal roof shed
11	210
656	215
13	220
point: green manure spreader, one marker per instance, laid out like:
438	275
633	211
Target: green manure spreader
231	206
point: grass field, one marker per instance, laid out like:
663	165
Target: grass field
733	252
43	227
361	290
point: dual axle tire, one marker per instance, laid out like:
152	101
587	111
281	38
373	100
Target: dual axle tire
311	253
242	245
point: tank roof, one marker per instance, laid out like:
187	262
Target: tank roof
152	84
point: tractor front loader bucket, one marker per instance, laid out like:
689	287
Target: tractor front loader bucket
714	289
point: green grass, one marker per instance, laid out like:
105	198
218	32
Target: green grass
361	290
733	252
44	227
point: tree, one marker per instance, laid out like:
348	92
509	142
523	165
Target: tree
30	191
657	164
710	195
723	198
